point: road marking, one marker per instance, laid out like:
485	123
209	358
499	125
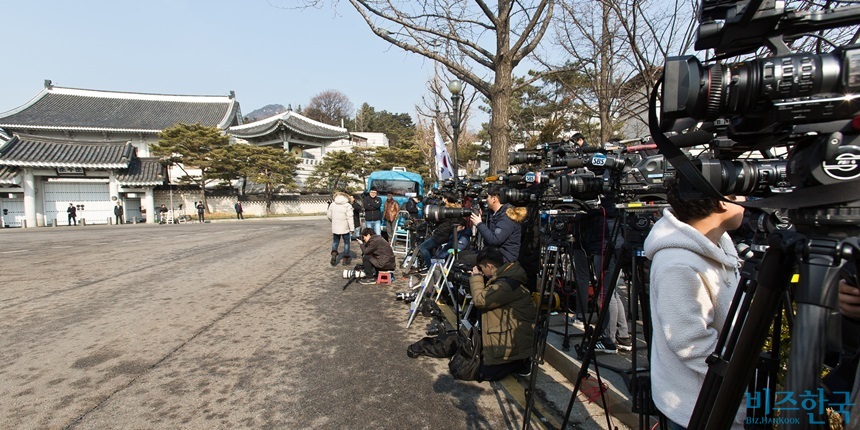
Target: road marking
11	252
130	241
61	246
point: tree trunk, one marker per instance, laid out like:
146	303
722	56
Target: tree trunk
203	194
500	104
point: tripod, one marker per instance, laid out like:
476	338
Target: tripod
634	224
819	259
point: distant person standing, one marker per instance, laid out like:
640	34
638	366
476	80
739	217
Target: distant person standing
390	214
356	216
238	207
73	214
118	213
200	209
162	212
373	211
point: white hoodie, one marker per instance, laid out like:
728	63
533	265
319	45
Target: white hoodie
693	282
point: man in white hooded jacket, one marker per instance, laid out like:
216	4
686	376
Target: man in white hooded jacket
694	274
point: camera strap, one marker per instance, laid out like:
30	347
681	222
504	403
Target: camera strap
821	195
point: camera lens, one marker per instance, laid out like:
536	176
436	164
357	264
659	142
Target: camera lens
437	213
522	158
583	187
743	177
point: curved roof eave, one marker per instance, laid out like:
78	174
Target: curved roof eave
62	128
59	164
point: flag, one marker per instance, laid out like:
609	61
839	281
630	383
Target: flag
443	162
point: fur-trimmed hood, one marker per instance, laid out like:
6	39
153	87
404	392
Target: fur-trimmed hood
517	215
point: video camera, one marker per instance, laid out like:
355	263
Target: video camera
809	102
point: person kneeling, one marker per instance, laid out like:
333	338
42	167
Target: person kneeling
508	315
377	255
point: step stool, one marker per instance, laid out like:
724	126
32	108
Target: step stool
384	277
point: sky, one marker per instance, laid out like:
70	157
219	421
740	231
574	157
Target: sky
265	53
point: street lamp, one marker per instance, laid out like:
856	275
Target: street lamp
455	87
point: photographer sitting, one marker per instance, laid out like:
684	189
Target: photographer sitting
443	233
508	315
377	255
502	229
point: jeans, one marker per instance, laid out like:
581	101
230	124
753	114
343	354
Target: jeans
335	241
375	225
426	248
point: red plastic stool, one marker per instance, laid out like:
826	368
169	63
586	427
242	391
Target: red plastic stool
384	278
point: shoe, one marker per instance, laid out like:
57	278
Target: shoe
624	343
578	324
333	258
605	346
346	261
367	281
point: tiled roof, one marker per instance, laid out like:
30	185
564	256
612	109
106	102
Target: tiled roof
57	108
141	172
29	151
7	175
291	121
4	137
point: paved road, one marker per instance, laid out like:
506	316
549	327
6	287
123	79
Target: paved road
223	325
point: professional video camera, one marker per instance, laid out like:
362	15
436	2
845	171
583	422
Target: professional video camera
460	273
807	101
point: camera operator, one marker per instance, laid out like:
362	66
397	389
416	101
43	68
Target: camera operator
502	229
373	211
377	256
411	206
444	232
508	315
694	275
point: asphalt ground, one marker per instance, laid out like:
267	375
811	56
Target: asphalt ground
223	325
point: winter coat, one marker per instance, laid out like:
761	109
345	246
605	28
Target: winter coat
372	208
392	209
412	207
379	252
117	210
508	315
693	282
503	231
340	214
443	233
238	207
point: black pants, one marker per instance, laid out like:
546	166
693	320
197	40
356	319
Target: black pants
73	219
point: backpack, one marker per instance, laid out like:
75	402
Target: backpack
466	362
442	346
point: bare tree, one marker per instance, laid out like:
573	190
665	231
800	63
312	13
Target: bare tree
616	49
437	106
330	107
477	42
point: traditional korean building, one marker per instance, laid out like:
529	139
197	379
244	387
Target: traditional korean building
70	145
304	137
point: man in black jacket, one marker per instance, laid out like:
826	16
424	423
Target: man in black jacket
373	211
377	255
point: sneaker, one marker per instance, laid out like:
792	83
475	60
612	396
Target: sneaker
624	343
367	281
605	346
333	258
578	324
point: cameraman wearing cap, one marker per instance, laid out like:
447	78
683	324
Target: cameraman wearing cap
502	229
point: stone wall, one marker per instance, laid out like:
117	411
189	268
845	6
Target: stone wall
283	205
